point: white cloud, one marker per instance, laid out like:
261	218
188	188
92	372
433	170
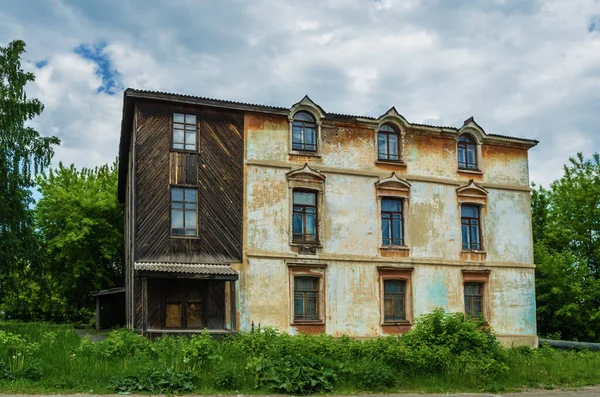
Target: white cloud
521	68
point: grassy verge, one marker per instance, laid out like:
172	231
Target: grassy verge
444	353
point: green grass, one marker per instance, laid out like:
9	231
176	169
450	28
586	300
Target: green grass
442	354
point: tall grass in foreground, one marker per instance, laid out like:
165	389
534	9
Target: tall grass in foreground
442	353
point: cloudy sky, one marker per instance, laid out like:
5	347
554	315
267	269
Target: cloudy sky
521	68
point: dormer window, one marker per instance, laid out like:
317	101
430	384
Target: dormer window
467	153
388	143
304	132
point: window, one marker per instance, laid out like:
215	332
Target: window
470	225
474	300
391	222
184	131
388	143
306	298
305	216
183	211
304	132
467	153
394	298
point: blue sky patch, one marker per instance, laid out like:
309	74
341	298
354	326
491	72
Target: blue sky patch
104	67
41	64
594	23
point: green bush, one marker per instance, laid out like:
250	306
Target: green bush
443	352
156	382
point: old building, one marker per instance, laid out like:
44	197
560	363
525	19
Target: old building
318	222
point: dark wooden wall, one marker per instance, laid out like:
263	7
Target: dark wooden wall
217	171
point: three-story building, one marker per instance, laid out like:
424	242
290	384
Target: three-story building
318	222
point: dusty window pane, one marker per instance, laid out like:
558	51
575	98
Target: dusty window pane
194	315
190	119
176	219
304	116
304	198
176	194
190	195
178	118
177	136
173	315
190	138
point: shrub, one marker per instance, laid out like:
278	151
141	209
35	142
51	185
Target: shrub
199	350
373	376
119	343
155	382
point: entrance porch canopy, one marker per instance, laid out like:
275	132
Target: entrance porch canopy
220	272
217	271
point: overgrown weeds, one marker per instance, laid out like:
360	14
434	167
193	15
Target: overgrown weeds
443	352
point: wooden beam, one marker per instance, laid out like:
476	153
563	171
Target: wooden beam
144	305
232	303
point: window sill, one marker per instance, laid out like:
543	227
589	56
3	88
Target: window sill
308	322
395	247
398	163
184	151
473	251
474	172
395	323
308	244
304	154
185	237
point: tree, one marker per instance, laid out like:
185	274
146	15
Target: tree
80	223
23	154
566	230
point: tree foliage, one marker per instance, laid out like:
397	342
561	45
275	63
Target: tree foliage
80	222
23	154
566	230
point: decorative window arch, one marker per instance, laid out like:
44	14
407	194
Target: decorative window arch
469	139
389	137
305	128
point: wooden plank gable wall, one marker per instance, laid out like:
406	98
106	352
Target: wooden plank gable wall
216	170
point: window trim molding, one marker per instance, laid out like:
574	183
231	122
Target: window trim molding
396	273
191	187
306	105
394	187
473	194
306	179
395	119
481	276
478	138
306	270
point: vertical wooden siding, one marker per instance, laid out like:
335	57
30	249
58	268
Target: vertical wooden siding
217	171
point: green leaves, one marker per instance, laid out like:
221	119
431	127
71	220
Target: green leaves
566	231
23	154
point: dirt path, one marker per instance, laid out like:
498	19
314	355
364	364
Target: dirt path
592	391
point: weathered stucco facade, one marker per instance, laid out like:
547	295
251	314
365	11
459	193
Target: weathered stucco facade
350	258
345	258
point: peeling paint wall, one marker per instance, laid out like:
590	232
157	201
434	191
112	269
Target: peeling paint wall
351	237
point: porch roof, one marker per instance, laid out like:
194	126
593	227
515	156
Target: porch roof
208	269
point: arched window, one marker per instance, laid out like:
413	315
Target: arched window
467	153
304	132
388	143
